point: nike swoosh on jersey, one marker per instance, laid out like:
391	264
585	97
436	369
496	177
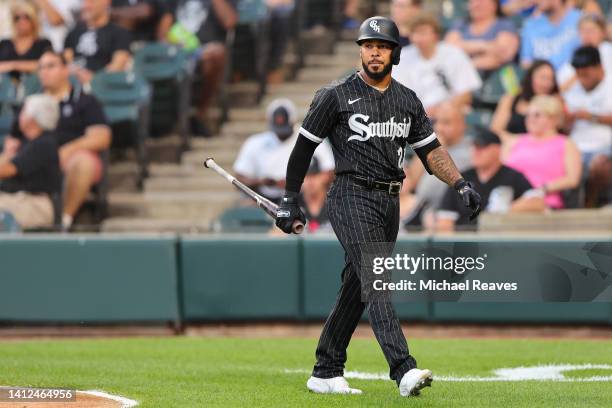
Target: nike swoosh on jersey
352	102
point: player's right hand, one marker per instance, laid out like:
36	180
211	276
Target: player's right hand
288	212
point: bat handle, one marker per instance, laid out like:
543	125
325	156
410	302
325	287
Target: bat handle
297	227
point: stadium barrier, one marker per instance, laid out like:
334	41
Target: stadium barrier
168	278
97	278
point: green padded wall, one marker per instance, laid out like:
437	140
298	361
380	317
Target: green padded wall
587	313
323	262
240	277
88	279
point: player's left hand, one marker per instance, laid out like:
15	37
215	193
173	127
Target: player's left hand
470	197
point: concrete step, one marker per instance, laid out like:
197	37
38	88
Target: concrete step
221	142
130	225
338	60
223	158
209	181
242	128
322	75
553	221
203	206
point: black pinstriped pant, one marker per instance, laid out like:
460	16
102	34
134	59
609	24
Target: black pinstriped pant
361	218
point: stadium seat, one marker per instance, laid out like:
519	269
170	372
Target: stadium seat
452	11
169	72
496	84
242	219
250	43
125	97
6	122
30	85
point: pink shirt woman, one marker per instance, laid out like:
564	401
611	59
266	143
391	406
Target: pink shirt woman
550	161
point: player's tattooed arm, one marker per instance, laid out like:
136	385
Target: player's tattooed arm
442	166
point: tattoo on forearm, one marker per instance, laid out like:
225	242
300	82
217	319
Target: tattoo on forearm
443	166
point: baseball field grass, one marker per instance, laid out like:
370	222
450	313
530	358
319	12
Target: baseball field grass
233	372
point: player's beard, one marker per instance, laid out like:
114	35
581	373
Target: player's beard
377	76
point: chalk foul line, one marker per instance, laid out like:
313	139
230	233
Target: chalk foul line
549	372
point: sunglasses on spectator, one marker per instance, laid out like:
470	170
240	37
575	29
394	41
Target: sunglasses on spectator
18	17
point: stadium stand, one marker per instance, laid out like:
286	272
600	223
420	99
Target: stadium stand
177	194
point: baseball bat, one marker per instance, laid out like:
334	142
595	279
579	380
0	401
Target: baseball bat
268	206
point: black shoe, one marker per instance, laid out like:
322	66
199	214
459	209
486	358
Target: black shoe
199	128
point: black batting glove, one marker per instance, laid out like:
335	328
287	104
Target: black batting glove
288	212
470	197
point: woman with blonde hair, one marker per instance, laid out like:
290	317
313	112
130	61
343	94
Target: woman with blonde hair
549	160
20	53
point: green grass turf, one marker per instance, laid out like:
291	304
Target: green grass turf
230	372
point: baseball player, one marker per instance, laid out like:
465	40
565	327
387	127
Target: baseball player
370	119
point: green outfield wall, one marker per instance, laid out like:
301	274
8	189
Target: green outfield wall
98	278
76	279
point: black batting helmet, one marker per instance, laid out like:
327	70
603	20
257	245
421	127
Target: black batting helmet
384	29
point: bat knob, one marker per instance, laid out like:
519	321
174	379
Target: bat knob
298	227
206	161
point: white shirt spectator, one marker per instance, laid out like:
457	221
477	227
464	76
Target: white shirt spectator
566	72
264	155
591	137
276	168
57	34
449	72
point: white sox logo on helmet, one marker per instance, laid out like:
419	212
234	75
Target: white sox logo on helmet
374	26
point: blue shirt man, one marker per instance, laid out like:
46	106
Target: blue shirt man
543	38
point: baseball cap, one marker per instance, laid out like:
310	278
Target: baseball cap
586	56
485	137
281	114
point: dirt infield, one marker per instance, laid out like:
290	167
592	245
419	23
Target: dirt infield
311	330
416	330
82	401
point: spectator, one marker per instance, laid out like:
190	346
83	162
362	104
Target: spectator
350	12
429	190
314	194
146	20
58	18
20	54
509	117
402	13
280	13
592	31
524	8
5	19
551	35
587	6
81	133
589	103
436	71
262	160
489	40
502	188
209	20
550	161
97	44
31	174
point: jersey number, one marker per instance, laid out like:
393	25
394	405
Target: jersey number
400	161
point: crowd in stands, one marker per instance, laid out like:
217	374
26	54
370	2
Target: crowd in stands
544	142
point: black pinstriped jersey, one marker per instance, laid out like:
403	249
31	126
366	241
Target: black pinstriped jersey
369	130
